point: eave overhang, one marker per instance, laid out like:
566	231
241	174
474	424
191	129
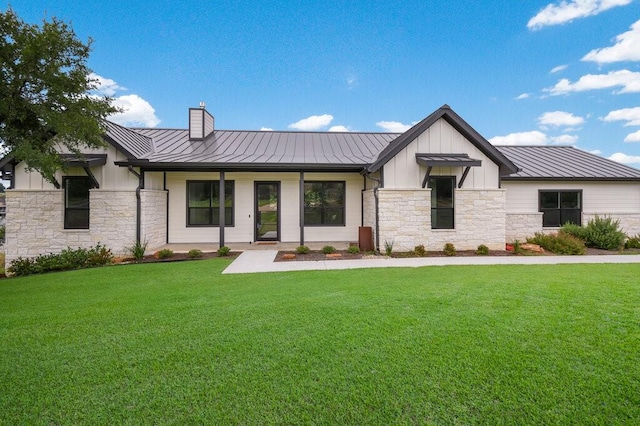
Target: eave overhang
241	167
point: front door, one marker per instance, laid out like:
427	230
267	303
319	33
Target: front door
267	212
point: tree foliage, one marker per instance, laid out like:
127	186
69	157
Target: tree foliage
44	93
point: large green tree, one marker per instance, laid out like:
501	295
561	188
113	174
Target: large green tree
44	93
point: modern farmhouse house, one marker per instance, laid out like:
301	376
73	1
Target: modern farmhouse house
438	182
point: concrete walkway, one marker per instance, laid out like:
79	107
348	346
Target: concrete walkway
263	261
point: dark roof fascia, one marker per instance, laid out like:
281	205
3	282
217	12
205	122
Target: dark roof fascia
86	160
569	179
445	112
242	167
453	160
6	161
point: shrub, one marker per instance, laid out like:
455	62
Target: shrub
353	249
604	233
138	249
302	250
575	230
449	249
67	259
633	242
328	249
2	232
420	250
224	251
165	254
388	247
517	247
194	253
559	243
482	249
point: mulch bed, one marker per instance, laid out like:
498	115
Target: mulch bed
176	257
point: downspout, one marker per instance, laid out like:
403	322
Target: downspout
222	214
376	208
138	202
301	208
164	186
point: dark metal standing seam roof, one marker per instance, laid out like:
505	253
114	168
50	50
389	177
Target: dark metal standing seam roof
131	143
263	148
564	163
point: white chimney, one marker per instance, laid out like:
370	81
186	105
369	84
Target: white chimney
201	123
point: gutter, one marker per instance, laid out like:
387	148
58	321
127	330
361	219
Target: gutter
138	203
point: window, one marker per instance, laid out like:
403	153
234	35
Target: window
560	207
442	202
203	203
76	201
324	203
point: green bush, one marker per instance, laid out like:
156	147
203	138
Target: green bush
165	254
302	250
194	253
328	249
353	249
482	249
575	230
224	251
388	247
449	249
604	233
420	250
633	242
67	259
560	243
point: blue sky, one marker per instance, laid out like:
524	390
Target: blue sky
520	72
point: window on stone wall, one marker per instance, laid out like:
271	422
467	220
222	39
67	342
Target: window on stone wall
76	201
560	207
442	213
324	203
203	203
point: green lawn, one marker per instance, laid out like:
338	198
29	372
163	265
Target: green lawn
179	343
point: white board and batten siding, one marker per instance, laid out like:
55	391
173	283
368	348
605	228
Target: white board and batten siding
402	171
597	197
243	230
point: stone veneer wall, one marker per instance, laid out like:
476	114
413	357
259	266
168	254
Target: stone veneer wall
369	212
405	219
629	222
521	226
153	226
37	217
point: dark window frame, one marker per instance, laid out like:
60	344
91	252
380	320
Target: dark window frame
67	219
324	209
562	212
215	184
434	224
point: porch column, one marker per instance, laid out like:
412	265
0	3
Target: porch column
301	207
222	213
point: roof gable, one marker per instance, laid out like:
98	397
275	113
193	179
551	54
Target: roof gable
446	113
131	143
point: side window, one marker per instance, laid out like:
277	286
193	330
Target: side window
560	207
442	213
203	203
76	202
324	203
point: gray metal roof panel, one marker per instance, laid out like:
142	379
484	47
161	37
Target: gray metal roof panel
132	143
564	162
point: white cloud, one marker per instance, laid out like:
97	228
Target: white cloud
595	152
394	126
564	139
338	129
314	122
626	48
559	68
630	115
633	137
567	11
105	86
136	112
624	158
523	96
266	129
628	80
534	137
559	119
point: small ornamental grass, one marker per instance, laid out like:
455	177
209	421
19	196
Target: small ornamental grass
353	249
224	251
633	242
194	253
164	253
137	250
